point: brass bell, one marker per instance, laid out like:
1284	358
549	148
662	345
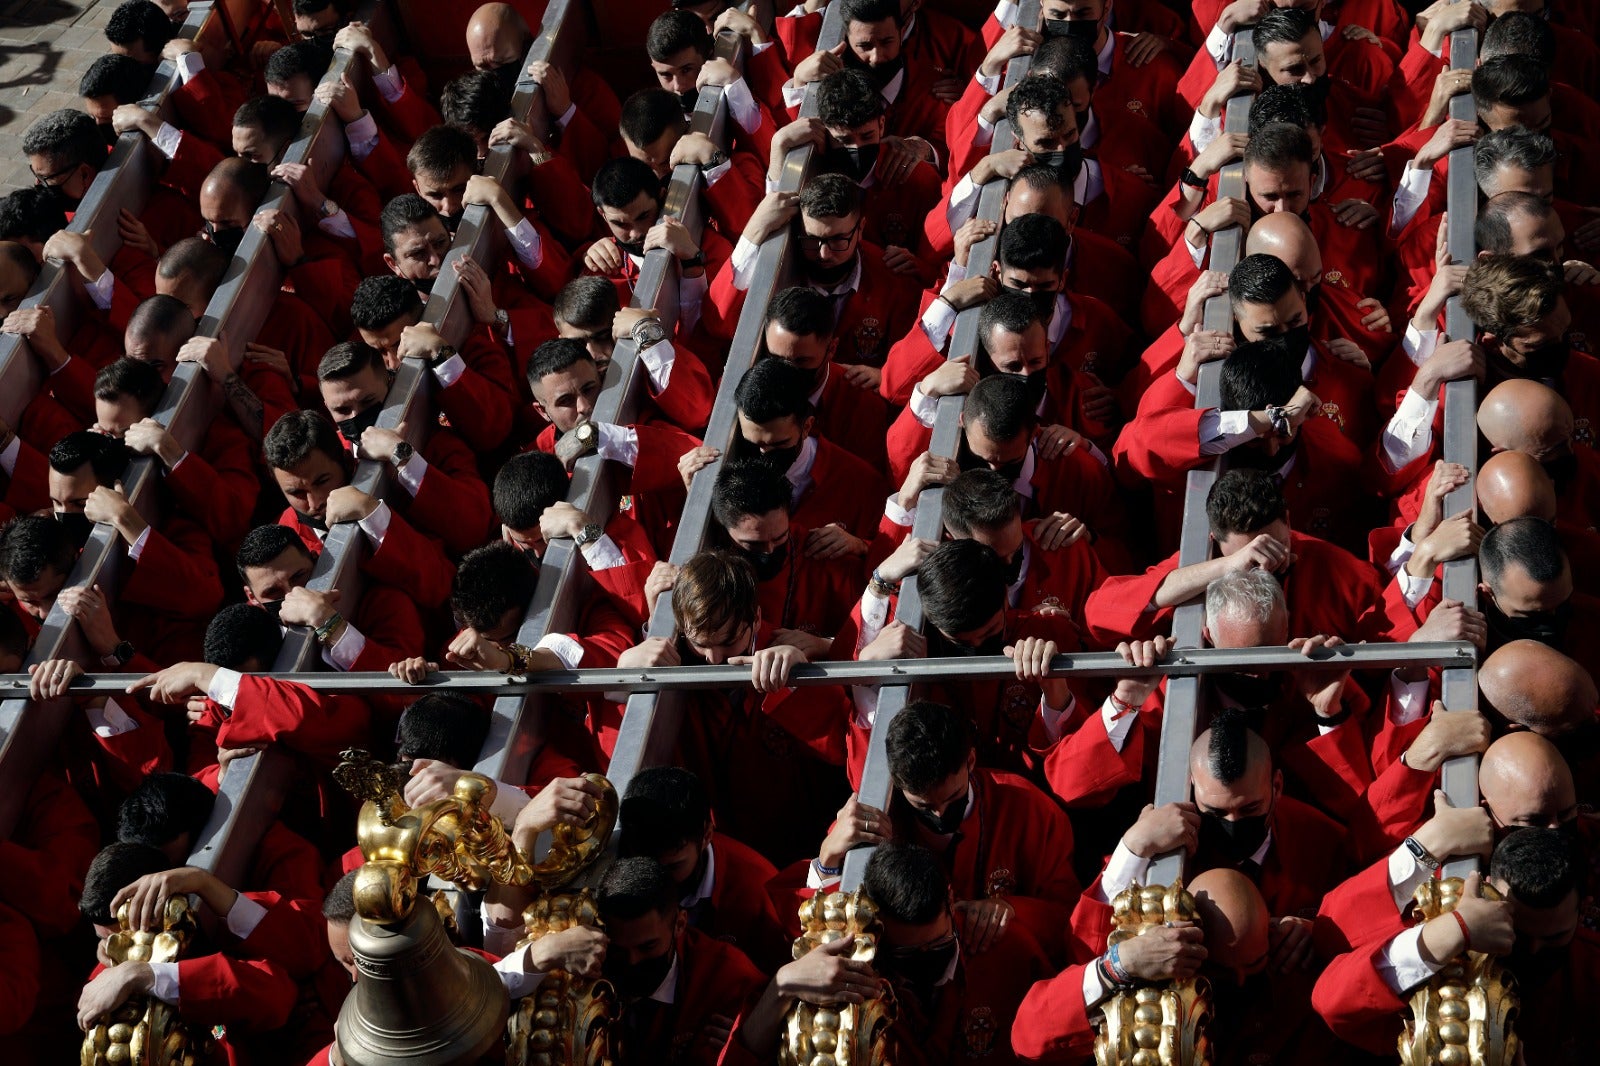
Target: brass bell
418	1000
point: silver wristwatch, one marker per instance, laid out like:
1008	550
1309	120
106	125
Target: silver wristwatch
1423	856
588	535
648	332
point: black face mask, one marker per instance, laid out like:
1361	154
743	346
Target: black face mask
1247	691
1082	29
355	425
967	461
77	526
1037	384
633	248
1296	340
883	73
1067	162
1313	301
818	274
323	43
1014	568
688	99
1545	361
506	75
779	460
1547	627
638	980
1562	471
1044	302
768	565
109	134
995	645
67	203
854	162
921	969
944	822
1252	457
275	608
424	286
1234	841
226	239
314	523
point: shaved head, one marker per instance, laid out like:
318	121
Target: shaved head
1532	685
1513	484
1526	416
1235	920
496	35
1524	781
1286	236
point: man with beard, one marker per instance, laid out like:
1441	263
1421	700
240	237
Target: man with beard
871	302
953	1005
805	596
1533	928
875	44
475	393
1526	685
1267	419
722	883
800	331
833	493
1006	848
1000	431
312	467
629	197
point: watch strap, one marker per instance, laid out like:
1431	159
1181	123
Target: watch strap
1191	179
1423	856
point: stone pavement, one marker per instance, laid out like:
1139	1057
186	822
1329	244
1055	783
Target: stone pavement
45	46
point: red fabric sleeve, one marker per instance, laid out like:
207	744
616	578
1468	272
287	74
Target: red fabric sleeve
482	401
1358	912
1052	1023
219	484
1355	1002
910	359
42	866
408	116
413	563
687	399
281	712
19	970
249	994
563	199
452	502
176	573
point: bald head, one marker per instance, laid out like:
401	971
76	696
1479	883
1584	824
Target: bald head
1526	416
1512	485
1532	685
156	330
1285	235
496	35
1231	768
232	192
1235	920
1524	781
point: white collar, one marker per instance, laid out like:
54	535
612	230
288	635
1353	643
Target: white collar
1309	363
850	284
1014	592
667	991
1325	28
1024	482
891	92
1260	857
702	891
1319	177
815	399
799	473
1089	135
1104	58
1060	321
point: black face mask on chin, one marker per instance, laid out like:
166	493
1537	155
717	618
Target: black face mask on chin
275	608
1037	384
688	99
1548	361
636	980
505	77
1547	627
633	248
883	73
995	645
854	162
1247	691
828	276
1067	162
768	564
944	822
76	525
1233	841
966	460
921	969
226	239
355	425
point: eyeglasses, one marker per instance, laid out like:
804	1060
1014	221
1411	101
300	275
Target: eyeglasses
839	242
48	181
919	950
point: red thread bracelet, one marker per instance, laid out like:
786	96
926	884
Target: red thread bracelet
1466	934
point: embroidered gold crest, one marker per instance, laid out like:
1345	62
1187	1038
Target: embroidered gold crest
1002	882
1051	605
1135	105
978	1031
869	335
1331	412
1582	432
1334	277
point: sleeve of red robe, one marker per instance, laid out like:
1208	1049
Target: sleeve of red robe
1359	911
1082	769
42	866
282	712
392	626
176	573
219	486
452	502
481	402
1052	1022
413	563
19	970
251	995
1356	1004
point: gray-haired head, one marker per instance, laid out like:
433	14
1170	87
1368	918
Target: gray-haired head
1244	596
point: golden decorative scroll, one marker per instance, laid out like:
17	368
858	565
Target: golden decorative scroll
831	1034
1465	1015
1161	1024
145	1031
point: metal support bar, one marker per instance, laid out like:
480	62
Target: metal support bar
1458	689
1192	662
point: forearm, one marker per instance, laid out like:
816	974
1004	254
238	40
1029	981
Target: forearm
763	1022
245	405
1187	583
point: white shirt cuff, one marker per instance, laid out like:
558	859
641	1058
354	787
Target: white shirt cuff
450	371
136	549
1413	589
190	64
1122	870
1410	430
244	916
658	360
391	84
963	202
345	650
525	242
898	515
1222	431
1404	876
164	982
1410	700
567	115
620	444
515	975
924	408
100	289
224	687
1401	964
741	105
1094	987
167	139
603	554
710	177
1409	195
109	720
376	524
988	83
793	95
1202	131
874	616
743	261
412	473
1117	728
337	224
1055	719
936	323
563	647
362	136
1219	46
508	802
1419	344
1402	553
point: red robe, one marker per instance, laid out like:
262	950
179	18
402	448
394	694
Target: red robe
410	561
812	595
43	863
853	418
713	979
741	910
281	712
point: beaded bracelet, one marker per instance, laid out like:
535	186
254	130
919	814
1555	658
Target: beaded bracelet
1466	934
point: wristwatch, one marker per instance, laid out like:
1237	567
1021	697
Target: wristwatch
119	655
588	535
648	332
698	259
327	209
444	353
502	321
1423	856
1191	179
402	454
587	434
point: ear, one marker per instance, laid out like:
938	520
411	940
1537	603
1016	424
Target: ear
809	427
972	762
680	925
1277	785
388	261
250	597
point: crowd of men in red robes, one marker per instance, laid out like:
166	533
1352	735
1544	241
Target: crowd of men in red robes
1021	807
